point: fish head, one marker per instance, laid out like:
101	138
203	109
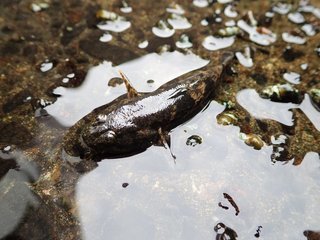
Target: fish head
109	137
99	131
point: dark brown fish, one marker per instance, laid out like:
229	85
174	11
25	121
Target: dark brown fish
135	121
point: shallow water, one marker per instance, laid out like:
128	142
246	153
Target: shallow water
216	180
167	199
180	200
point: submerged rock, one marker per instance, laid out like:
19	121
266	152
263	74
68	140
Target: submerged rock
282	93
315	97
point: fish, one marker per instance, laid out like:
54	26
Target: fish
135	121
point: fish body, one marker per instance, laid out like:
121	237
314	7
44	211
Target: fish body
129	125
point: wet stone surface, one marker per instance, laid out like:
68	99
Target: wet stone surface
257	140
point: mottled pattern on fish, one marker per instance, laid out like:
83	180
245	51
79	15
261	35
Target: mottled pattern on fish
129	125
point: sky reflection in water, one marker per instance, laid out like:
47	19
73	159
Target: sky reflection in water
180	201
165	200
266	109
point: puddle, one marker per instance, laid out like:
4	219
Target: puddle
220	185
95	91
167	200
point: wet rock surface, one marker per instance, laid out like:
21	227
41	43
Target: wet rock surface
44	47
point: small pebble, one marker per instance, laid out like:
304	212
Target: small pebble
124	185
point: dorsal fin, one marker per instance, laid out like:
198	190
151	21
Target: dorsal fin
131	92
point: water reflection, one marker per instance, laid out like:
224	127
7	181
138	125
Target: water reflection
15	193
167	200
266	109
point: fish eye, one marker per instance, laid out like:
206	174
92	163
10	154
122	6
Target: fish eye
110	134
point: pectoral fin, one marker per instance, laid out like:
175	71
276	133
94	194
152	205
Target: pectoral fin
130	90
165	142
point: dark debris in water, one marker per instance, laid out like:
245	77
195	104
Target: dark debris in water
257	234
232	202
260	78
284	93
290	54
224	232
124	185
194	140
